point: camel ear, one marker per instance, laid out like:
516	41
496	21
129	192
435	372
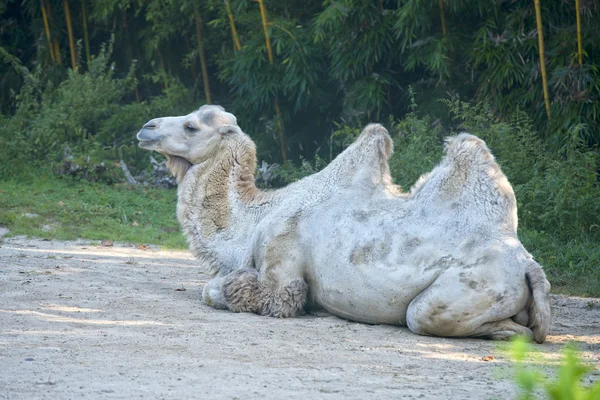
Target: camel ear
229	129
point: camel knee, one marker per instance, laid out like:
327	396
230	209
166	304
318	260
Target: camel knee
418	321
286	301
424	319
242	290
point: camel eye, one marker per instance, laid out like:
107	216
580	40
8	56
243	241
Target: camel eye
190	128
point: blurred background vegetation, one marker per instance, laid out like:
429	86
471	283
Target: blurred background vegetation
78	79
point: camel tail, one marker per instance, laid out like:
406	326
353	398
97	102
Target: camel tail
539	306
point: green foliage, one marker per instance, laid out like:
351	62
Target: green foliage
566	385
89	118
417	148
66	209
289	173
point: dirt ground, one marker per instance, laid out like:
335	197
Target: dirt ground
82	320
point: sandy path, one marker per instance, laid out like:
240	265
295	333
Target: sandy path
78	320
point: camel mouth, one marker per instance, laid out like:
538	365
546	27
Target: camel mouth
148	144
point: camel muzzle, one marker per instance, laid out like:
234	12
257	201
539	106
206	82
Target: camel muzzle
148	135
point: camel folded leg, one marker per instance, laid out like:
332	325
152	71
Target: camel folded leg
244	292
498	330
501	330
461	305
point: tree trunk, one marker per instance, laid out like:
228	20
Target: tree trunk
263	14
202	56
538	19
70	32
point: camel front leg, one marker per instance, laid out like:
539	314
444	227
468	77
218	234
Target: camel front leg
245	291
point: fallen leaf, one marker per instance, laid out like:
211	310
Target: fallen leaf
180	290
142	247
134	223
487	358
61	204
106	243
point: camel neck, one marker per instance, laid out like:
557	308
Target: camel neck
219	206
213	194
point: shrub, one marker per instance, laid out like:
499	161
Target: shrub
567	384
89	118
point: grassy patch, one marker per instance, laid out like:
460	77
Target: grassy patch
64	209
572	266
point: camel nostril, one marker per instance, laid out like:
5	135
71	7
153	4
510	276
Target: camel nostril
150	125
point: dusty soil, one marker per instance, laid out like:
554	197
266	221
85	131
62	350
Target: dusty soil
79	319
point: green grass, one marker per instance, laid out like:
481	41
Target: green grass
79	209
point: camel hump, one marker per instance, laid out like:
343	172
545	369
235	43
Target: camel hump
467	148
377	133
539	305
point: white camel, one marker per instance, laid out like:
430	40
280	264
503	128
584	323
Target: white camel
444	259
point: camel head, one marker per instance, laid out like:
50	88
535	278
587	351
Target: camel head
189	139
194	138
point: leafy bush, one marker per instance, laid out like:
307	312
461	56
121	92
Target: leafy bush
567	384
89	118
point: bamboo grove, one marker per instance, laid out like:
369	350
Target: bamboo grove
293	69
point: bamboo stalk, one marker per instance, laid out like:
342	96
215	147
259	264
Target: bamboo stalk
263	14
442	17
234	34
538	19
70	33
57	51
129	48
579	45
85	33
47	30
127	39
55	45
186	37
205	81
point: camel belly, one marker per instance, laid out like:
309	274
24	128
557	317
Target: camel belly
366	296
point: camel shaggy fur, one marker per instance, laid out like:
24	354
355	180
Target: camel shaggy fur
443	259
